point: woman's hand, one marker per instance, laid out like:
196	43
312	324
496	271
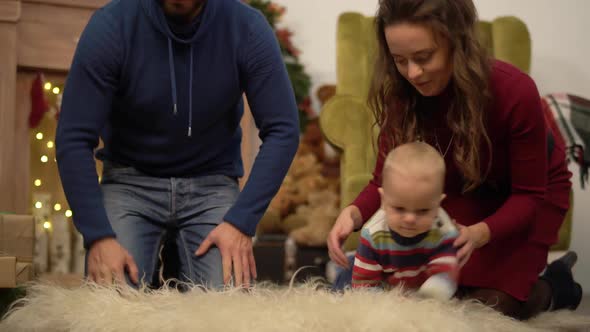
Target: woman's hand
470	238
348	220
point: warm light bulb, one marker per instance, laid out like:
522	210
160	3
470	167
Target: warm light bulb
55	90
47	86
44	159
47	225
68	213
37	183
38	205
57	207
50	144
39	136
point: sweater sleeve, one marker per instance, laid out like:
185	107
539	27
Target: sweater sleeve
272	102
366	272
369	201
527	150
88	96
443	259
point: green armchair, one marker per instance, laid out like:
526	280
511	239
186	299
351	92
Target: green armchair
347	121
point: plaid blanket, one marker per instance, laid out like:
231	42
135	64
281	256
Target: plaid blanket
568	117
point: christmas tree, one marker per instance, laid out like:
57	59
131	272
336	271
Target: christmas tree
300	80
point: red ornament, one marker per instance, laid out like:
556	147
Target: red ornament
39	104
284	37
305	107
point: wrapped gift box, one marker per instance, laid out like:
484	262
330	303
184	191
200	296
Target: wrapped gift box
42	235
41	252
78	254
13	273
17	236
60	246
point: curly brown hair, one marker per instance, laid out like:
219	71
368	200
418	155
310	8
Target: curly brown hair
393	99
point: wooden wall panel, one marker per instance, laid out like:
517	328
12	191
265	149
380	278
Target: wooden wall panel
250	142
7	113
9	10
48	35
90	4
21	176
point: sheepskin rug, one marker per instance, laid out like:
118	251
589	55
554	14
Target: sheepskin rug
306	307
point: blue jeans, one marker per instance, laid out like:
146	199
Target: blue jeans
144	210
344	276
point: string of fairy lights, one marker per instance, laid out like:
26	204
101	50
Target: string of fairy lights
53	95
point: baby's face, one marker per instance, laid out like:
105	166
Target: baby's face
410	205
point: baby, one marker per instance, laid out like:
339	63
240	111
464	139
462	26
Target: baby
409	241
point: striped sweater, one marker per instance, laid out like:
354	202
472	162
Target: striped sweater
385	258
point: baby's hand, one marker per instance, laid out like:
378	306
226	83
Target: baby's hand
440	286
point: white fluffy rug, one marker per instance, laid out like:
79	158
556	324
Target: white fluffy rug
266	308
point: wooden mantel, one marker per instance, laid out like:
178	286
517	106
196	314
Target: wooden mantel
42	35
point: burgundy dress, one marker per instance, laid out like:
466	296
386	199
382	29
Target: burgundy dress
525	196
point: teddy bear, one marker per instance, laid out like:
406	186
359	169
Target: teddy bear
304	163
320	215
312	140
310	188
307	184
302	179
280	206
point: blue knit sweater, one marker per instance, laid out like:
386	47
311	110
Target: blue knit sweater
170	104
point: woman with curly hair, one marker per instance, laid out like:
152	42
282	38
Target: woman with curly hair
507	183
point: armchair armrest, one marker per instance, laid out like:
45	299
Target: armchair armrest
347	123
343	120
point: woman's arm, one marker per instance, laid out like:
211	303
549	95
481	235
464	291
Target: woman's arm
369	201
527	149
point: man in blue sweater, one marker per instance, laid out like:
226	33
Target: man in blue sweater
161	82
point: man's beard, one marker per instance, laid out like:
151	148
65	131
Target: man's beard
181	13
